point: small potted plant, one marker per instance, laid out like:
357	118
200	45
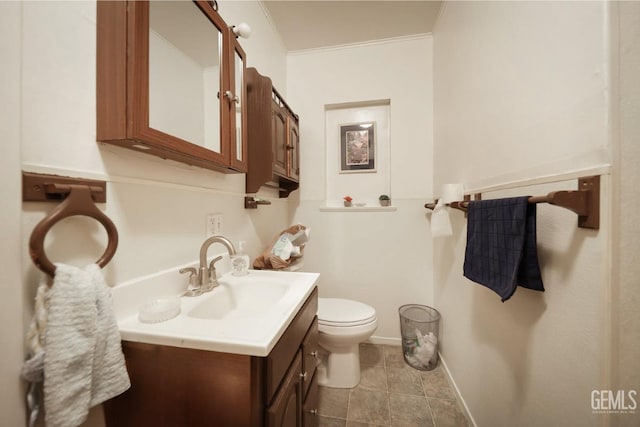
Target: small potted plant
347	201
384	200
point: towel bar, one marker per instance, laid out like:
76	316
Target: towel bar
585	201
78	201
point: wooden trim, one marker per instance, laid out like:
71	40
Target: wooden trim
35	187
137	68
241	166
111	70
224	84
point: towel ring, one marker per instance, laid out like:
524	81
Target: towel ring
78	202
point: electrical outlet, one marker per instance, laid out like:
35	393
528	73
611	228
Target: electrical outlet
214	224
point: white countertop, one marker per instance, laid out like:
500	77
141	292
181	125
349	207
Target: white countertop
257	310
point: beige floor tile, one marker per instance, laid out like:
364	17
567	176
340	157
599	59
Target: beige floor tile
333	402
404	380
391	394
393	356
371	354
367	406
436	384
373	378
446	413
409	411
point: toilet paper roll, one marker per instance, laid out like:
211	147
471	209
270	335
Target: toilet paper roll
452	193
440	222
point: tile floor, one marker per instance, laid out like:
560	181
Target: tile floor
391	393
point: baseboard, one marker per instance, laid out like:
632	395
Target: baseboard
385	341
465	408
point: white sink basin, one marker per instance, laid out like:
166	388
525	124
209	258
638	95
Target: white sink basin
240	299
244	315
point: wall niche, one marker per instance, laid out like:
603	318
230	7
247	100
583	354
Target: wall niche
357	151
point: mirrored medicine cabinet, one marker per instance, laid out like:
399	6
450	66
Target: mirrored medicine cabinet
170	82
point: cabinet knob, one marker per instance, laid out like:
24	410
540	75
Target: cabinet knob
303	376
314	354
313	411
290	147
231	96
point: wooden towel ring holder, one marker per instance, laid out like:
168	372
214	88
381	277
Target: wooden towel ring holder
78	202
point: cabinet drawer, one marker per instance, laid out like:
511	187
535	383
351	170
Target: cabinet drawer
309	356
310	405
285	350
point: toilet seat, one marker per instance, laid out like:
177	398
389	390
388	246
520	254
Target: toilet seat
337	312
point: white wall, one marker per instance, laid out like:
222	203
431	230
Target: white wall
11	331
626	241
536	357
158	206
380	258
521	91
522	95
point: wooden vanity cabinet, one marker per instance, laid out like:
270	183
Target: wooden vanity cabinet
296	403
181	99
286	409
173	386
274	138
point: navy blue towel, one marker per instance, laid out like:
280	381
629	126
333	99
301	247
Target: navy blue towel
501	245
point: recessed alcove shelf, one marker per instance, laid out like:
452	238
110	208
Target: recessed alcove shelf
342	136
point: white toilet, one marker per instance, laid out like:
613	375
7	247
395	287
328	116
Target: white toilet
342	324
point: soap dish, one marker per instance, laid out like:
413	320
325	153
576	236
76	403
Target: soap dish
159	310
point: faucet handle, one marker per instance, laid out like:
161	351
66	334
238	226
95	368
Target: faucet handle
193	275
212	268
213	261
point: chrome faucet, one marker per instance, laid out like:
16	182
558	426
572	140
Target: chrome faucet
205	279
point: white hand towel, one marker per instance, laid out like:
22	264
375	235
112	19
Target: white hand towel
83	363
33	368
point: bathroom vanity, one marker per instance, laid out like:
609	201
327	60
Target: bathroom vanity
181	377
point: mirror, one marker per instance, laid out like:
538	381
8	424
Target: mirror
184	73
165	82
238	90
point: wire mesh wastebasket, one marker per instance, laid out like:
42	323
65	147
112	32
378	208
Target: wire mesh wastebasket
419	326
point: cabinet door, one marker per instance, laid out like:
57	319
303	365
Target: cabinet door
279	140
309	355
162	71
293	147
237	108
286	409
310	405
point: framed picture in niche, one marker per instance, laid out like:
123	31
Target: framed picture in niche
358	147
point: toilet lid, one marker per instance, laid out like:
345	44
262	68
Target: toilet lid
344	312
